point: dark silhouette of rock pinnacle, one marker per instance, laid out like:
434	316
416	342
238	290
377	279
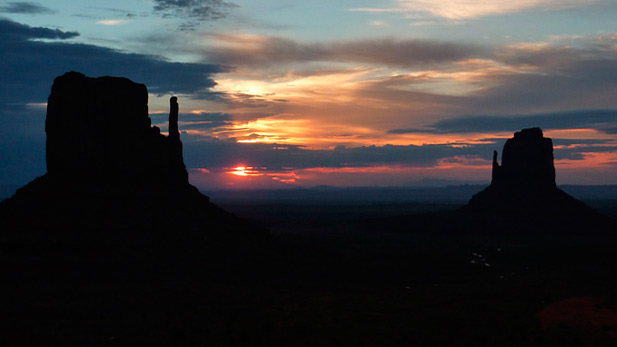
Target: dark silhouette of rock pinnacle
525	180
178	173
496	169
174	133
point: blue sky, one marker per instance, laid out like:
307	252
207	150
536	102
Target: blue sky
329	92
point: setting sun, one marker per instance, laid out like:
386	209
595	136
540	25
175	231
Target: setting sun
244	171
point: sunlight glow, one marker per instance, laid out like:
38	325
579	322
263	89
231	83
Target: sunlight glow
328	85
263	175
113	21
245	171
469	9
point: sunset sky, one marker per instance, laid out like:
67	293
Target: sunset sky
329	92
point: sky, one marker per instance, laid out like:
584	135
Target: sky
277	94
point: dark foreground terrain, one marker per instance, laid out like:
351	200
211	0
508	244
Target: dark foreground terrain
355	274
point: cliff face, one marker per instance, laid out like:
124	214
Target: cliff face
524	183
98	130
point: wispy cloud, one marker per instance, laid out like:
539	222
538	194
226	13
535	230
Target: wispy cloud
601	120
378	23
112	22
469	9
117	11
24	7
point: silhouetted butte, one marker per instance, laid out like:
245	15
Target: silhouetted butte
115	186
100	140
524	183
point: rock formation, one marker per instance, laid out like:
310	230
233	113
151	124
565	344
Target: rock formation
109	168
527	160
524	183
98	131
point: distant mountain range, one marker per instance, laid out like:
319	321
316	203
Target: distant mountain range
362	195
454	193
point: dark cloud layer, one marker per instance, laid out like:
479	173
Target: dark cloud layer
193	12
404	53
24	7
13	31
29	66
580	152
581	83
217	154
205	121
195	121
213	153
596	119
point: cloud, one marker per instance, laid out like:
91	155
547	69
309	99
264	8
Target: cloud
202	121
522	78
205	117
29	66
193	12
595	119
24	7
255	50
585	78
469	9
378	23
610	130
417	79
465	9
218	155
117	11
112	22
582	152
213	153
425	74
372	164
14	31
516	86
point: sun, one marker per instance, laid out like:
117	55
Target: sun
244	171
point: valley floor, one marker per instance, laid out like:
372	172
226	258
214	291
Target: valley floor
354	275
